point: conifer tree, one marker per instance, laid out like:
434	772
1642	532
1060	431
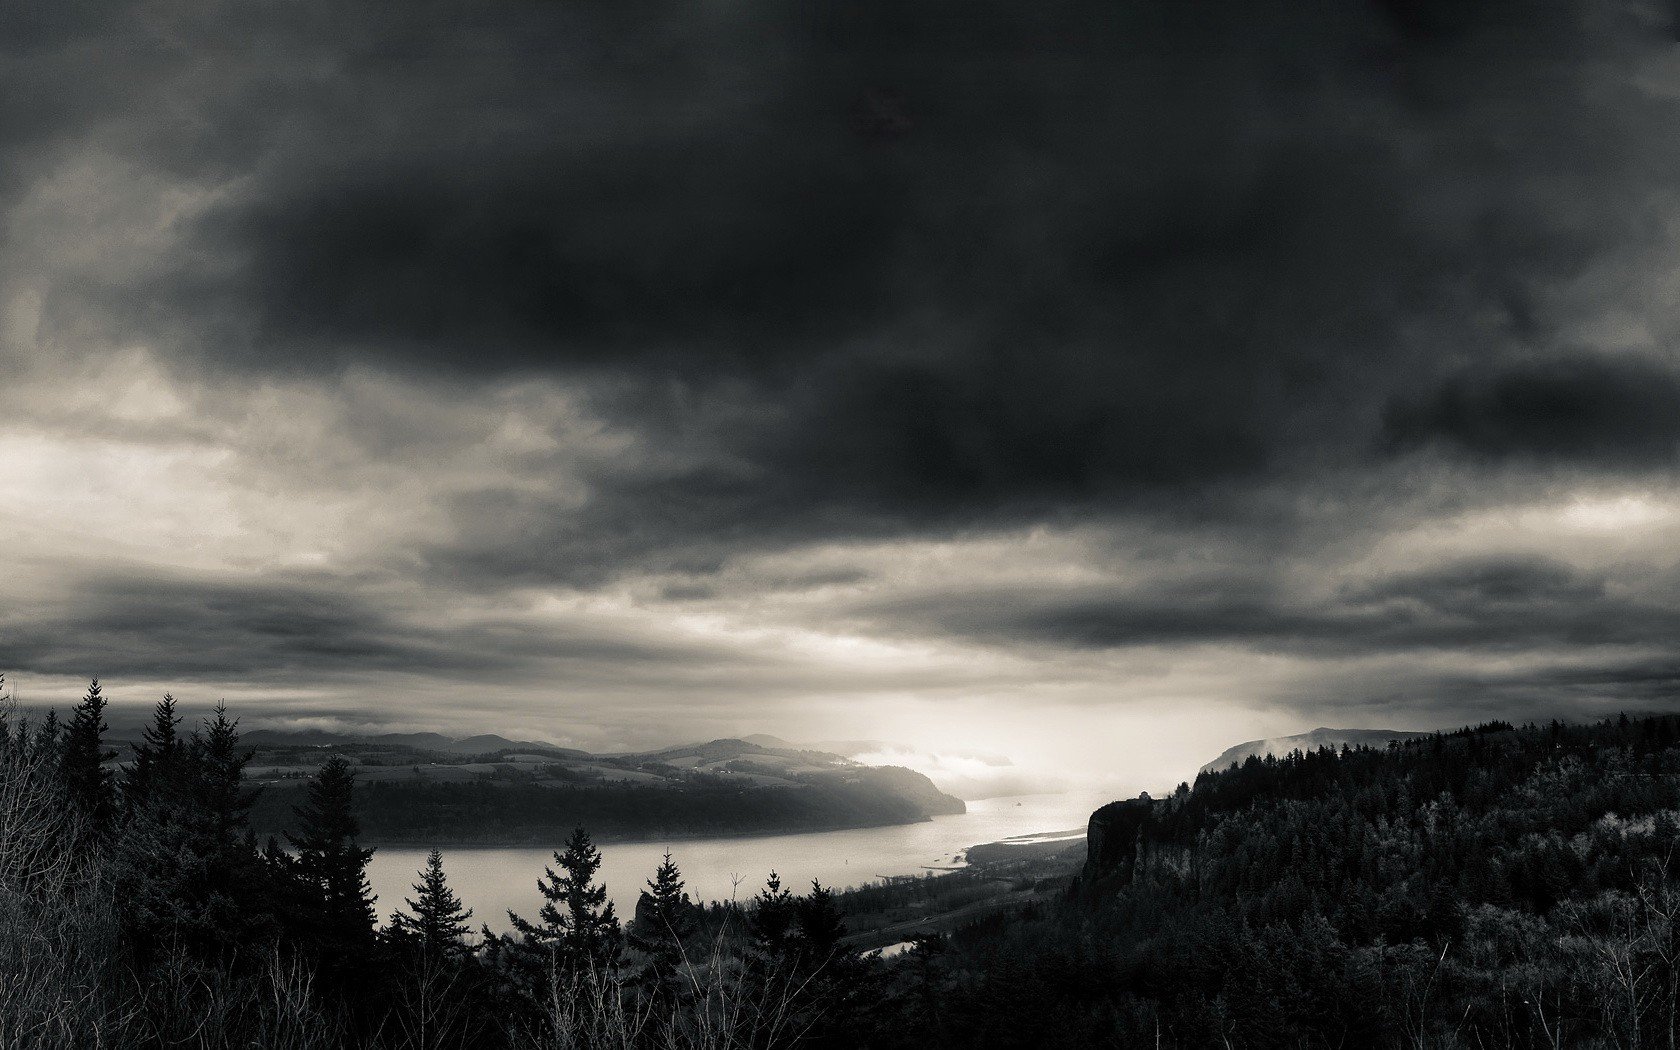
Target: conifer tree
10	733
49	738
235	879
820	924
576	919
218	781
88	783
330	870
664	917
437	922
189	865
159	765
772	917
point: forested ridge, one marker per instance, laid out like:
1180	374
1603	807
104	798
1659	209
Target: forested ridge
1499	886
500	813
1496	886
534	794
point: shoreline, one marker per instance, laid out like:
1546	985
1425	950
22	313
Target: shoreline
634	840
1014	847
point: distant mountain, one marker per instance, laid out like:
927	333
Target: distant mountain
1321	737
491	790
298	738
430	740
711	751
851	748
483	743
766	740
843	748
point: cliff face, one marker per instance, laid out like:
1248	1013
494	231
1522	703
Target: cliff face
1125	843
1115	844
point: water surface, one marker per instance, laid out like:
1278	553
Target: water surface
491	880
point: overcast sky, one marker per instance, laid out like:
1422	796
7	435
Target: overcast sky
1098	383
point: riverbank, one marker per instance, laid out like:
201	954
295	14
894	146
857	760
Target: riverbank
640	836
492	880
1001	876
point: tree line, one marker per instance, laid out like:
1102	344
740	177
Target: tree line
138	908
1500	886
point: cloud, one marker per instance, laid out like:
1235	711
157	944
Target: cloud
304	629
1620	412
701	364
1496	623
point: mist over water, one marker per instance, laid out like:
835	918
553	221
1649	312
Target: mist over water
493	880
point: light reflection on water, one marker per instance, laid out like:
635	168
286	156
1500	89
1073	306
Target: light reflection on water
492	880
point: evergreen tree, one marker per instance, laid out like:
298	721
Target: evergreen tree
329	874
665	917
10	733
188	864
820	924
159	766
576	919
49	738
236	891
87	781
218	782
772	917
437	922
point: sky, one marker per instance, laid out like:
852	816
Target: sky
1096	384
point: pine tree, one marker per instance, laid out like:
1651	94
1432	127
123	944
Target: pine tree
159	766
88	782
664	916
334	901
576	919
11	733
236	905
437	922
49	739
820	924
188	864
218	781
772	916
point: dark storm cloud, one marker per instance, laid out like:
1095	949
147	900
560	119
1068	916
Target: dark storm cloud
139	626
1266	278
959	256
1612	411
1484	604
153	626
1536	691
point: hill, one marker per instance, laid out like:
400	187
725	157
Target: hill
1496	886
484	742
493	791
1310	741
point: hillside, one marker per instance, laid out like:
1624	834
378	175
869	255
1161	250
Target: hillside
1496	886
1310	741
489	790
420	741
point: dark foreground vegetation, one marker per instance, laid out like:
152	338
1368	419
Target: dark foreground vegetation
1495	887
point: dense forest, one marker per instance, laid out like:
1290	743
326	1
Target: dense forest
1493	887
1500	886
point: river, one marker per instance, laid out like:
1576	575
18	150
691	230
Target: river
490	880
